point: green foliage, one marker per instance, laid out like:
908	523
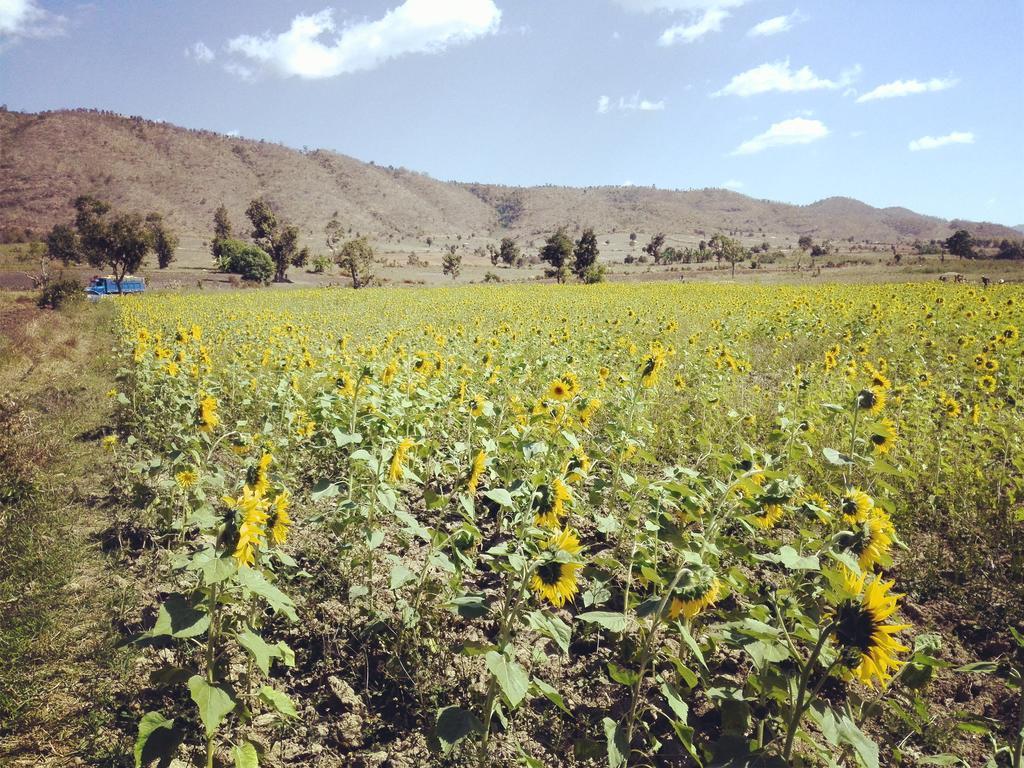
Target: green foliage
961	244
245	259
585	255
556	251
451	262
356	257
278	238
163	241
59	293
654	246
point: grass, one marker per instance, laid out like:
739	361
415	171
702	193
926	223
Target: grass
56	592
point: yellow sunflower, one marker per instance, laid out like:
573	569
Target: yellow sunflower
869	648
768	516
698	589
257	478
871	399
252	509
549	504
280	522
870	540
397	469
555	577
476	472
855	505
206	416
186	479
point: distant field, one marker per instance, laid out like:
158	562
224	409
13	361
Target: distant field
192	267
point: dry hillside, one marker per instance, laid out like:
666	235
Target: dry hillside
47	159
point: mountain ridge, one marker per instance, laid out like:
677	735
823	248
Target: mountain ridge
48	158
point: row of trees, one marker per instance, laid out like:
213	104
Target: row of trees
119	242
274	247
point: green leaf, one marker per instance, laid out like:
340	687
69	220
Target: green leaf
979	667
790	558
177	617
469	606
324	489
262	651
692	645
217	569
255	583
675	701
512	678
622	675
400	575
866	749
453	725
279	701
342	439
147	745
214	704
551	694
941	760
245	755
616	622
551	626
500	496
832	456
618	749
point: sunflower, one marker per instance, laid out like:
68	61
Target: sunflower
1010	334
554	578
588	409
549	503
949	405
870	541
476	405
558	390
871	399
767	516
280	522
651	367
256	477
397	469
855	505
860	628
987	384
206	415
697	589
251	533
186	479
883	435
812	502
577	466
476	472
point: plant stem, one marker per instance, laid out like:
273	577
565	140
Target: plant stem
799	705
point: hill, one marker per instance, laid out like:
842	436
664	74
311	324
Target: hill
47	159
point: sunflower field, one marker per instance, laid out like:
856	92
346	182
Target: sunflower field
605	525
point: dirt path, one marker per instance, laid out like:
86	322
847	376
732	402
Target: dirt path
59	595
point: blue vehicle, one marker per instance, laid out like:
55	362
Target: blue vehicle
107	286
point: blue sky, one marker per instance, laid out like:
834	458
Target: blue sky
914	103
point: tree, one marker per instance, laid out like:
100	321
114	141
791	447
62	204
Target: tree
163	241
654	246
493	254
356	257
961	244
277	238
585	253
508	252
728	249
333	235
221	232
245	259
451	262
1010	250
556	251
805	242
121	243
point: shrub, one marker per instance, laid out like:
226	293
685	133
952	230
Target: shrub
320	265
594	274
247	260
57	293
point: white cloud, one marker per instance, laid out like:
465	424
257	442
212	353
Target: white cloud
710	21
732	184
240	71
775	25
314	47
798	130
633	104
233	134
778	76
899	88
934	142
200	52
24	18
648	6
